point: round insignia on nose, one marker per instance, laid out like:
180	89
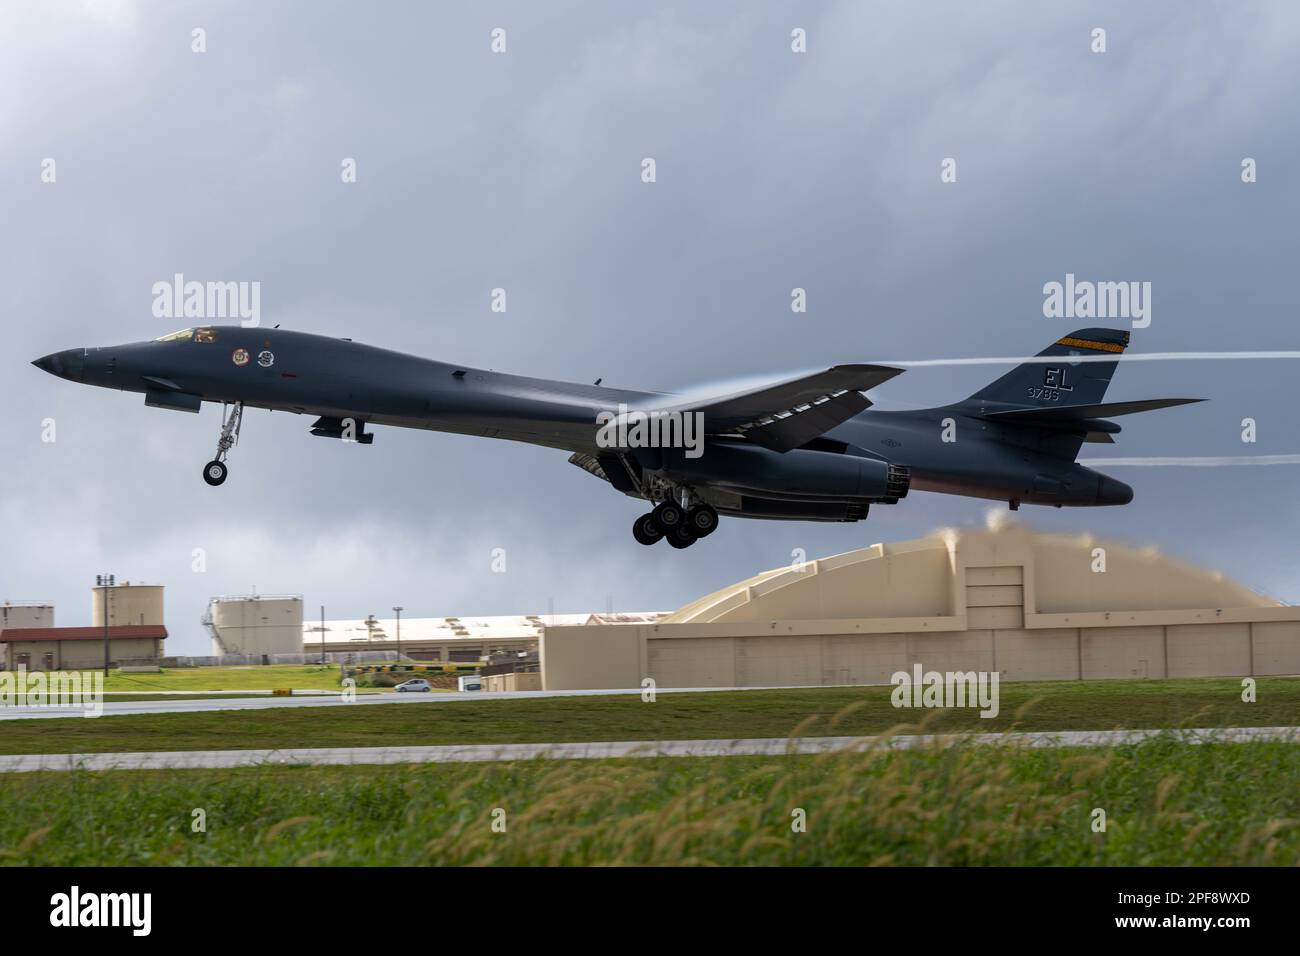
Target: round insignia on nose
239	357
266	359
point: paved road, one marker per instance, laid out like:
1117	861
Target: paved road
771	746
326	699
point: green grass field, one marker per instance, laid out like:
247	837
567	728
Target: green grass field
1101	705
194	695
272	677
1165	804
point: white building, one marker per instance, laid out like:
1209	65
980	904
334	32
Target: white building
448	639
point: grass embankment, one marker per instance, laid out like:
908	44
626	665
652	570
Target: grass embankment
1166	804
271	677
857	711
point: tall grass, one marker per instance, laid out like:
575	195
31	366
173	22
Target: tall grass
1166	803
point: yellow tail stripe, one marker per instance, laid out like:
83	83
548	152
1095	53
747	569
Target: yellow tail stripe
1089	344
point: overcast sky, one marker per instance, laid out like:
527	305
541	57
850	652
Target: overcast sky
522	170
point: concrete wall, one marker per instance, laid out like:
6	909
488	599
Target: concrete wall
694	655
595	656
1038	655
530	680
83	655
1273	648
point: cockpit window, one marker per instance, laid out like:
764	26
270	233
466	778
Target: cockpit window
206	335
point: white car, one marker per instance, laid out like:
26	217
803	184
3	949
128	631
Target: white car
419	684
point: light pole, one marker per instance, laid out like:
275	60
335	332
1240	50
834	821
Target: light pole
105	581
322	633
398	612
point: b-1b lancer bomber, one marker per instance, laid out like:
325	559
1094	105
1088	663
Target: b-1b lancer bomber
806	449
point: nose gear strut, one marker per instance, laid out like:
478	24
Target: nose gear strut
215	471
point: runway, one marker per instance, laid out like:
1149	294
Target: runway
605	750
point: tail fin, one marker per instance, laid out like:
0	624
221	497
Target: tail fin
1046	384
1058	405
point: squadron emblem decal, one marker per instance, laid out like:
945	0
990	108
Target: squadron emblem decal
239	357
266	359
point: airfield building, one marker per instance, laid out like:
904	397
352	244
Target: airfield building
272	628
80	648
1029	606
448	639
133	613
254	625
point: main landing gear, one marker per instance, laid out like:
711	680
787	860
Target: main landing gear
215	471
680	527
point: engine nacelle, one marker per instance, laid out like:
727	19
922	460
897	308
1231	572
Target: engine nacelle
797	473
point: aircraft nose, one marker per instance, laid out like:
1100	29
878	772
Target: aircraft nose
66	364
49	363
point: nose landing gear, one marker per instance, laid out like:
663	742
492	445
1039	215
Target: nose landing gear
215	471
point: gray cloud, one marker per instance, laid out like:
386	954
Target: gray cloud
522	171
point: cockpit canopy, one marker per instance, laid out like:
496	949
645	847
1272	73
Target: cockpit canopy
203	335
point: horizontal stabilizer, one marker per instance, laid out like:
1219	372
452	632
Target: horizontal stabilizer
1044	415
788	414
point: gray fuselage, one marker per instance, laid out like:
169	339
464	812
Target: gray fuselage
950	449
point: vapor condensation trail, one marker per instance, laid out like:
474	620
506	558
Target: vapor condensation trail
712	390
1208	461
1074	359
